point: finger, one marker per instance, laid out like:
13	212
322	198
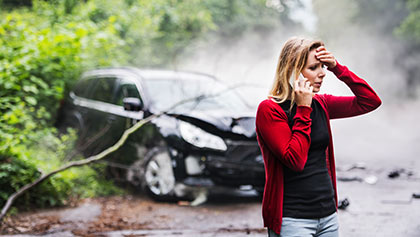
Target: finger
300	82
320	48
306	83
323	53
326	58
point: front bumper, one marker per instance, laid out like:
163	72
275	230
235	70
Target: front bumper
240	165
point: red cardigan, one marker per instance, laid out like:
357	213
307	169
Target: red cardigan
282	146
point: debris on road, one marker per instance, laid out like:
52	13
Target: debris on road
343	204
371	179
394	174
357	165
399	172
349	178
356	172
416	195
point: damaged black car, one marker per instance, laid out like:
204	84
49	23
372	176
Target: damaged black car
206	137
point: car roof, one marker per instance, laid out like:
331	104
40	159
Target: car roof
150	74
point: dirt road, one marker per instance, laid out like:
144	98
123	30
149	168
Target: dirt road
379	206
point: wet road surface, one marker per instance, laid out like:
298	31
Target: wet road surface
384	207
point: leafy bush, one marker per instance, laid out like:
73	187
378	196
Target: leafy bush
38	61
48	154
45	45
410	26
43	50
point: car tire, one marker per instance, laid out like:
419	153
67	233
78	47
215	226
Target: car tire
158	177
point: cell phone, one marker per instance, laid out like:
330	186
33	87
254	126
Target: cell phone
292	79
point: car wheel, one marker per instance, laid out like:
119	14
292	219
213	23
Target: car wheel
159	178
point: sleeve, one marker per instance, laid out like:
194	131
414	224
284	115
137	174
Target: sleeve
290	146
364	100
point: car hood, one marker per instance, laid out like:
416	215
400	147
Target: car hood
243	123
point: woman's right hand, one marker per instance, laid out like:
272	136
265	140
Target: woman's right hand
303	92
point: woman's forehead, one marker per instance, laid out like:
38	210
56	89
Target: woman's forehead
311	58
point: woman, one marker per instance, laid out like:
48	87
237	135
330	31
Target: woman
294	135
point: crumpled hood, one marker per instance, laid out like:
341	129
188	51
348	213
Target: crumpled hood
243	123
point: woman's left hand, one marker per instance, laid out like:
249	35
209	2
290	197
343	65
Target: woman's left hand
326	57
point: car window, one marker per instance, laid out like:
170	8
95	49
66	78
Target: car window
216	96
103	89
126	89
82	87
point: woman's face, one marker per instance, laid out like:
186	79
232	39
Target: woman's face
314	71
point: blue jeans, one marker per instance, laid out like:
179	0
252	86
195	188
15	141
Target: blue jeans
297	227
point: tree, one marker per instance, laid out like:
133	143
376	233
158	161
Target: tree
46	44
384	32
410	26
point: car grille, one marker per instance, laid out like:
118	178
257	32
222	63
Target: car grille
241	165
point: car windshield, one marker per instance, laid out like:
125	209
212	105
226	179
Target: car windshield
210	94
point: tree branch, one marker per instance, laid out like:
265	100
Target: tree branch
86	161
101	155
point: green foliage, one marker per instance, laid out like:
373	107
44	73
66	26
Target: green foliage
380	15
48	154
410	27
42	52
388	17
237	16
46	44
15	3
154	31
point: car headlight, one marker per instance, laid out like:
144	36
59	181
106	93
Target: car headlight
200	138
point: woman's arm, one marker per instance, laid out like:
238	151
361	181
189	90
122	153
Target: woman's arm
290	146
365	99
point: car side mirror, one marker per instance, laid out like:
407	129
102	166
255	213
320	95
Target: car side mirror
132	104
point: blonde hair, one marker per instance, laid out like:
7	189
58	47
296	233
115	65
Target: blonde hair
291	62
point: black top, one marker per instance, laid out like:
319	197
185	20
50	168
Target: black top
310	193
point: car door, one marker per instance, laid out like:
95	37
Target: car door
100	114
127	87
75	110
123	119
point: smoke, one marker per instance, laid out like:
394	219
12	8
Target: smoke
386	137
250	59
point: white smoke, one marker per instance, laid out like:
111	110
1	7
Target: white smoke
386	137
